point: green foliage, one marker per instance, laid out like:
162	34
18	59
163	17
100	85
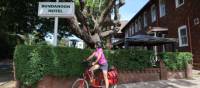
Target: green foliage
131	59
92	3
23	18
34	62
176	60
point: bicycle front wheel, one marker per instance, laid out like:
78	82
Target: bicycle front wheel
80	83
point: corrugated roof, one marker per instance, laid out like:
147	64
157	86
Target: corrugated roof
123	24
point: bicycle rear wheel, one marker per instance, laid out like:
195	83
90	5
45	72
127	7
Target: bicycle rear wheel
80	83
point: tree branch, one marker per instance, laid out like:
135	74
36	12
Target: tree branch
76	30
94	20
121	3
104	14
107	33
81	18
116	9
110	23
115	22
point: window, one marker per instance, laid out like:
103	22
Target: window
182	34
136	26
196	21
162	8
153	13
133	29
79	45
145	19
126	34
179	3
139	24
130	31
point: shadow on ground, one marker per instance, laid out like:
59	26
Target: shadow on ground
173	83
182	83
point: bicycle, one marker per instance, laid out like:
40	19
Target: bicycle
98	80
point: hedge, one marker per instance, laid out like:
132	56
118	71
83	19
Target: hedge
176	60
130	59
34	62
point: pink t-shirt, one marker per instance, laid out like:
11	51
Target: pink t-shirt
102	59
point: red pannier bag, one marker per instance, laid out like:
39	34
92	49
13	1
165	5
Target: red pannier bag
112	76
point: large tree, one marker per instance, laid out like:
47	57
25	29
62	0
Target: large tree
94	17
92	20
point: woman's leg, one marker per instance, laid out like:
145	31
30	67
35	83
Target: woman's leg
94	67
105	75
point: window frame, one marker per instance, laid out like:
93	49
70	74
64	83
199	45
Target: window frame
139	23
160	8
133	29
145	24
177	3
183	27
136	26
129	31
126	34
152	13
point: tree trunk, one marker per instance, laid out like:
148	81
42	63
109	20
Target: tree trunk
79	25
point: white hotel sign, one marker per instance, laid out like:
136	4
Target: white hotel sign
56	9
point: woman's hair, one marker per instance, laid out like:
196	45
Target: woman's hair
98	44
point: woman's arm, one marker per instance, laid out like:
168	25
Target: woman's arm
90	57
99	56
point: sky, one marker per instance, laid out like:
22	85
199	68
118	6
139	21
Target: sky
130	8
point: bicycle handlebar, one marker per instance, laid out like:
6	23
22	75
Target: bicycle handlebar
87	62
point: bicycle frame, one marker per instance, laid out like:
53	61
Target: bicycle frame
87	75
98	80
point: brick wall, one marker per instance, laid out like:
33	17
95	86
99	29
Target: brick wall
174	18
184	15
148	74
139	76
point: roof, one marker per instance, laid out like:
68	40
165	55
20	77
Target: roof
123	24
137	14
156	29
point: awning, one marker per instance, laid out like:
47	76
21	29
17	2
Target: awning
156	29
140	40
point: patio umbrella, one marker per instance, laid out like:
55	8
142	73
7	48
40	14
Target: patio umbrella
147	40
143	40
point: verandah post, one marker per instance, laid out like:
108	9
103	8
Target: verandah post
163	70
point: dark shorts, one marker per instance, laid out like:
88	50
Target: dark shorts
104	67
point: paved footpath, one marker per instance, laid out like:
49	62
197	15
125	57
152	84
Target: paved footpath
180	83
173	83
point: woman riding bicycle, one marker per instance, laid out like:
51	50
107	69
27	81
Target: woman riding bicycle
100	62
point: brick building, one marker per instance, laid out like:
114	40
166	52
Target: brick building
180	18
